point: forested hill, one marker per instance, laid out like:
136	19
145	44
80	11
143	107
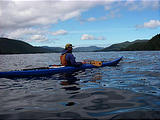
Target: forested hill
11	46
137	45
120	46
152	44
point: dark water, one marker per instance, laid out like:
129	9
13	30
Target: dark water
129	90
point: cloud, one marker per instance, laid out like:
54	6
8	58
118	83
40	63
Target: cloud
19	17
21	14
38	38
28	34
151	24
21	32
87	37
91	37
142	4
115	13
60	32
91	19
101	38
16	14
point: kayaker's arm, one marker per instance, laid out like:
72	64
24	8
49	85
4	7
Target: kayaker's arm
71	60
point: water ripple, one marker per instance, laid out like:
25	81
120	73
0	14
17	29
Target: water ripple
132	87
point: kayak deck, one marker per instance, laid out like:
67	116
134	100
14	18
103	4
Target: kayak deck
44	71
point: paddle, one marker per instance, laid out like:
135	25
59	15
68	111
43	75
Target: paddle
96	63
93	62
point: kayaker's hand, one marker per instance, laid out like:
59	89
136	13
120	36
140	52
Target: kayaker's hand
79	64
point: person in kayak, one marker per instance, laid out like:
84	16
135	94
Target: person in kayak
67	58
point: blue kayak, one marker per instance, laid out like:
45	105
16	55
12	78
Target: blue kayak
51	71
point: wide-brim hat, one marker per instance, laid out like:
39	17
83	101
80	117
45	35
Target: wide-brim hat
68	45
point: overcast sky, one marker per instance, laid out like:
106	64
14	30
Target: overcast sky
80	22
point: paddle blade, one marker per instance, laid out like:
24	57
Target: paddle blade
96	63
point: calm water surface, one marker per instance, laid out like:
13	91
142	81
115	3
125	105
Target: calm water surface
132	87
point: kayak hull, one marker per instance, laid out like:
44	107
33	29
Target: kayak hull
51	71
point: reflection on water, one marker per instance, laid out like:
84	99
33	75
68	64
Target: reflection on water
129	90
70	83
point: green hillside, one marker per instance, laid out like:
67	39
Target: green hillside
152	44
116	47
55	49
10	46
134	47
120	46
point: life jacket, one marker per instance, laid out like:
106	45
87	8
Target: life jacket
63	59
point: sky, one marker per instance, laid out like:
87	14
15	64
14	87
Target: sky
82	23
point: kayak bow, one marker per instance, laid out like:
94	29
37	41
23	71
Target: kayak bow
53	70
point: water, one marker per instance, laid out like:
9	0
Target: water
132	87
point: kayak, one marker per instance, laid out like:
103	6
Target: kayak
54	70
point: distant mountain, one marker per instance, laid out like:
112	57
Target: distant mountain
152	44
55	49
78	49
87	49
120	46
11	46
